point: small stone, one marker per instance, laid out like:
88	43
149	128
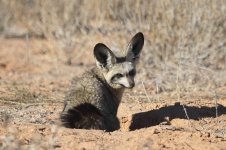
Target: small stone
156	131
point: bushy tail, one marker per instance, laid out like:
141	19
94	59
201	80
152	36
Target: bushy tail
83	116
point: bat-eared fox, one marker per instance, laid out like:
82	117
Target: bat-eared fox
93	99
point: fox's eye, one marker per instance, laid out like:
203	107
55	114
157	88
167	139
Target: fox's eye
132	73
118	75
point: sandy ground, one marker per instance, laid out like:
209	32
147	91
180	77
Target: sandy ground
34	76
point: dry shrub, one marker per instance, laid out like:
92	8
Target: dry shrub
185	40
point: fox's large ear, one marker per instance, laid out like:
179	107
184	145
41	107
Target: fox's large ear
104	56
135	45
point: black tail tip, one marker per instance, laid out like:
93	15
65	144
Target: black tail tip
83	116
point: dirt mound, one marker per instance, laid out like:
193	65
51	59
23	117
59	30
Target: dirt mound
142	126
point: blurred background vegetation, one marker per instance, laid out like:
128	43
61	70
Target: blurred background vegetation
185	41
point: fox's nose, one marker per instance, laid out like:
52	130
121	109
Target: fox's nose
131	85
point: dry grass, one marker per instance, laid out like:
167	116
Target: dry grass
185	40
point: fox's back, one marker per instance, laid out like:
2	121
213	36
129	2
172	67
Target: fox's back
92	88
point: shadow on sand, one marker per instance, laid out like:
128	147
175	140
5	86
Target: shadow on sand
155	117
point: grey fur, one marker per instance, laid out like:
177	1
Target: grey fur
102	87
